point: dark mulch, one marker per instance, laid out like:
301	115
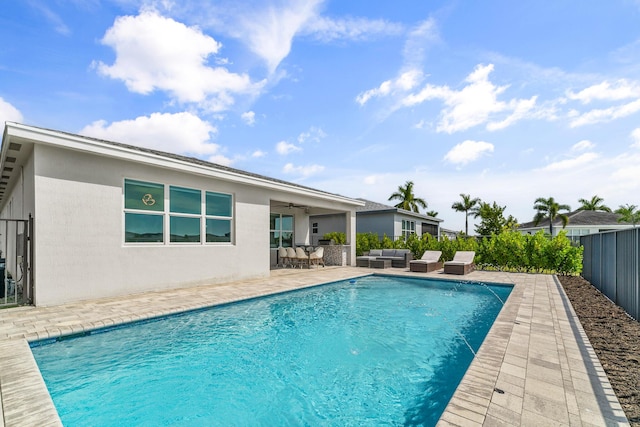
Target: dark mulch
615	337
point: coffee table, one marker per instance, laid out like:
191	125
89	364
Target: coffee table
380	263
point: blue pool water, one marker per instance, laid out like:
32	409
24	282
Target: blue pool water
380	351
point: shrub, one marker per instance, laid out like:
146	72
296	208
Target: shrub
337	237
367	241
513	251
562	257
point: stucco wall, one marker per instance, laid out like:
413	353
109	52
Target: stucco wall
382	223
80	251
327	224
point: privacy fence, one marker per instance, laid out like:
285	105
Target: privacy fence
611	262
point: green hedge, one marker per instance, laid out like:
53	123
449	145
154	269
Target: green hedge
337	237
513	251
507	251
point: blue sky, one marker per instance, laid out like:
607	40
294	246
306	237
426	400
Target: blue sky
506	101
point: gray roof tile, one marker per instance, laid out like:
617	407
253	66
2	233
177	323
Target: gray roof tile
581	218
371	207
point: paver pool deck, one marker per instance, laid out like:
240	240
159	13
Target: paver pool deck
535	368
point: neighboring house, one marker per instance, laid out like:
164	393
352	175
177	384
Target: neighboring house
111	219
450	234
379	219
580	223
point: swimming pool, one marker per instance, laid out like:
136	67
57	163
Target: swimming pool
383	350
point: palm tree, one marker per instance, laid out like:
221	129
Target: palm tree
628	213
468	206
549	208
432	213
408	200
595	204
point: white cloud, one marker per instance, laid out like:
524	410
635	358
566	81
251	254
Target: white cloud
327	29
269	27
635	136
249	117
284	148
304	171
468	151
258	153
269	31
180	133
569	164
420	38
382	90
8	113
314	134
521	109
154	52
605	115
410	74
605	91
583	145
404	82
470	106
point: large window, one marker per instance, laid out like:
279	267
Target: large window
281	231
144	212
219	214
408	228
186	214
191	214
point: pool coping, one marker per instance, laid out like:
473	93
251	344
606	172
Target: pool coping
535	367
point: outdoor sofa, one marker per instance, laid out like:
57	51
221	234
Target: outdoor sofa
400	258
462	263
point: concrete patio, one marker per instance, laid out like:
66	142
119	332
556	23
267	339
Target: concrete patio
535	368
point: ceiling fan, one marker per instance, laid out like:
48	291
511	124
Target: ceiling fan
293	205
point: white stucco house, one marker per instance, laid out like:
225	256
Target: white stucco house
113	219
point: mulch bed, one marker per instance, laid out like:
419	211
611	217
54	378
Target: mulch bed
615	337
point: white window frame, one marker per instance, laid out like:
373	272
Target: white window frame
205	217
167	214
282	230
406	232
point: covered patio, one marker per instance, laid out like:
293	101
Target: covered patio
290	226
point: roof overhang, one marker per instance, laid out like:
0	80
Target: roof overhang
18	140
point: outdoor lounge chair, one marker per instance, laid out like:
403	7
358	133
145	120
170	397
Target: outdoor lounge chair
316	257
462	263
430	261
